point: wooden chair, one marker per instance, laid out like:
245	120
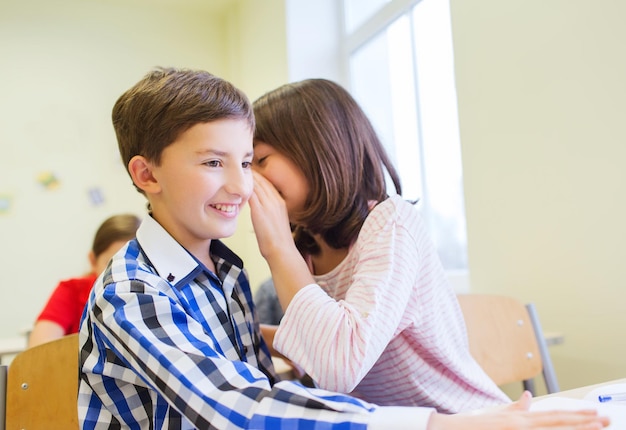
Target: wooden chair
3	395
506	339
42	387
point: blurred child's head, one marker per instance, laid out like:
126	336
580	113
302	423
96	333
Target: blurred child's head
112	234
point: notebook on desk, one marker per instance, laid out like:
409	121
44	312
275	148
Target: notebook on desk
615	411
613	393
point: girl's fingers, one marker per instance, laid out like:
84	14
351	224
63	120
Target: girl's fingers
263	187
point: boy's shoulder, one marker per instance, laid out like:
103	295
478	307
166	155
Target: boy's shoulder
128	264
130	272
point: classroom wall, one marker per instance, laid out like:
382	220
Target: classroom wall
64	64
542	100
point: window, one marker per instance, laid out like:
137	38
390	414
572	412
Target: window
356	12
396	58
401	71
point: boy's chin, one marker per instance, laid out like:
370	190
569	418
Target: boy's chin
224	234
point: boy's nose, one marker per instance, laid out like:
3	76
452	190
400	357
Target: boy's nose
239	182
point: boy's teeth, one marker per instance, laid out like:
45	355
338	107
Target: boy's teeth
225	208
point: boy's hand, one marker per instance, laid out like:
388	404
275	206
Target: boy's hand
516	416
520	420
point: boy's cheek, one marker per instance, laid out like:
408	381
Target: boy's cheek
250	188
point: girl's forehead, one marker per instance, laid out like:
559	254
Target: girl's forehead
259	144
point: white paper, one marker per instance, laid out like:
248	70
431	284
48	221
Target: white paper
604	390
616	412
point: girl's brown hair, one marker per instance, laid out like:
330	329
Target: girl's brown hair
319	126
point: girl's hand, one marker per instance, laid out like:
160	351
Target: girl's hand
269	218
273	232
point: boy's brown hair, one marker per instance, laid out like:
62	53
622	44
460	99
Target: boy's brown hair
167	102
319	126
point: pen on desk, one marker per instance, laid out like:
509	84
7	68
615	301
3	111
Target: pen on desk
616	397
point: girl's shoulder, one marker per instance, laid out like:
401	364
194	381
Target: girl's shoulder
394	208
392	213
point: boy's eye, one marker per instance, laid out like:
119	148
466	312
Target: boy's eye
246	164
213	163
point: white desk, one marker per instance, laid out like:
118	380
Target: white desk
583	398
581	392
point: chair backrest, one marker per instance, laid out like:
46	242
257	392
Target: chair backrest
42	387
3	395
506	340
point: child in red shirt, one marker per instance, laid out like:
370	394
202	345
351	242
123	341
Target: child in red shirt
64	308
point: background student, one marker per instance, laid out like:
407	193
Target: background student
62	312
268	307
170	338
369	310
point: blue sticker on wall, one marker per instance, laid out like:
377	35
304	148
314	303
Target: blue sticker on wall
5	203
96	196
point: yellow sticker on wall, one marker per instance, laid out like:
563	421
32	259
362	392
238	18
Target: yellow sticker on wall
48	180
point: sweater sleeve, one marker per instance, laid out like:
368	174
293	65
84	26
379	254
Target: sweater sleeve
338	341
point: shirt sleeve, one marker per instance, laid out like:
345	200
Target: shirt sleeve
337	342
400	418
171	353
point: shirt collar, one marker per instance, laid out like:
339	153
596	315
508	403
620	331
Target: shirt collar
169	258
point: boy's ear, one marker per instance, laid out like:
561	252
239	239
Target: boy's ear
140	170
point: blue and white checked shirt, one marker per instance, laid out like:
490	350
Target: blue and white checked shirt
167	344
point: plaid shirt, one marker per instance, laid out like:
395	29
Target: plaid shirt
165	343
